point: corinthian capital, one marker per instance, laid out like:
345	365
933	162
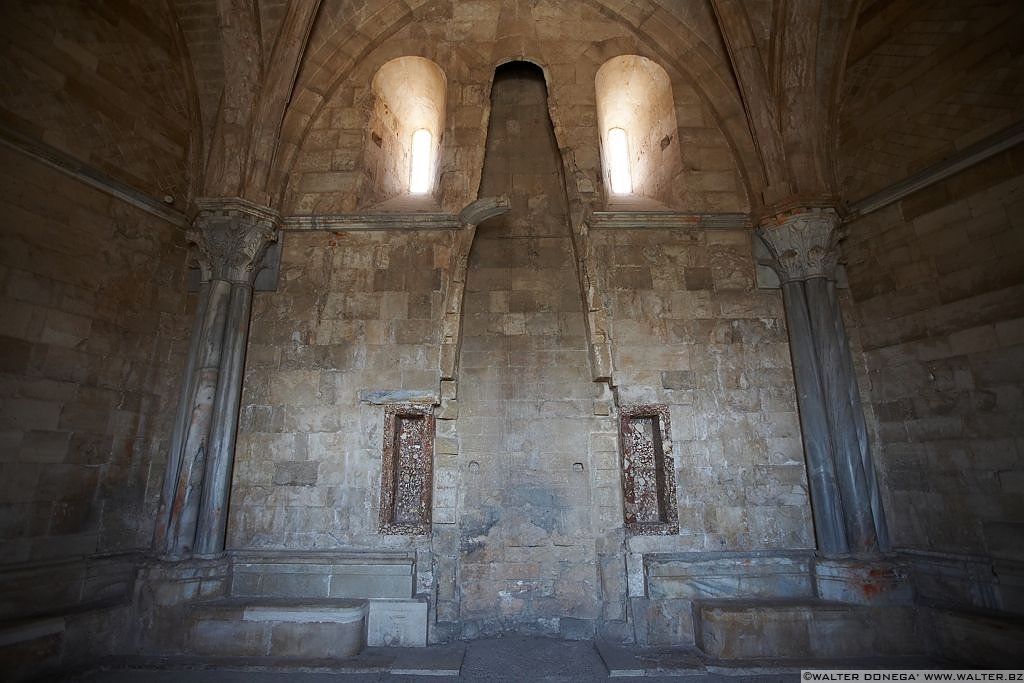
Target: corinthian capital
230	237
803	243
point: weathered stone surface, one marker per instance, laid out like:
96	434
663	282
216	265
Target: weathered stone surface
323	575
93	360
738	630
741	576
863	582
943	380
648	470
143	107
397	623
527	532
407	470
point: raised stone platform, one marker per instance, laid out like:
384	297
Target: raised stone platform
330	629
792	629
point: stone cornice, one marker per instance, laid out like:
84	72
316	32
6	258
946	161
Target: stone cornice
230	237
373	221
803	243
473	213
967	157
667	220
84	173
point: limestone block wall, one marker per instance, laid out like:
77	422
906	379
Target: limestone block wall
353	312
466	40
109	90
939	289
690	330
95	329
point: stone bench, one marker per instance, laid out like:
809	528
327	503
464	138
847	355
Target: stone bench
800	629
326	629
385	580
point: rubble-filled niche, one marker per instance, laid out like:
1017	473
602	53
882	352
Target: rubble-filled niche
403	142
636	120
406	473
648	474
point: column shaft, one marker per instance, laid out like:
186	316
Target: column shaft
184	507
836	380
826	502
874	492
230	238
181	420
213	512
803	242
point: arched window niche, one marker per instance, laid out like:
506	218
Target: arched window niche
636	119
403	145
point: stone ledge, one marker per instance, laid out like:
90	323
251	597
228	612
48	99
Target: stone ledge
323	575
30	630
734	575
345	612
664	220
389	396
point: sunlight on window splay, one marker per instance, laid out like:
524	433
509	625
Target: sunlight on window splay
419	176
618	161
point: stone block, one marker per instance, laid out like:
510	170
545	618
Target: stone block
348	584
738	630
302	473
736	575
228	637
975	639
571	628
397	623
863	582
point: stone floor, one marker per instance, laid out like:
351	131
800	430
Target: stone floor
512	658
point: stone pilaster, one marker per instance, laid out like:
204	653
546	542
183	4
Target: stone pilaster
845	500
230	237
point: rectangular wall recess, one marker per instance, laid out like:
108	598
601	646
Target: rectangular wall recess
648	474
407	468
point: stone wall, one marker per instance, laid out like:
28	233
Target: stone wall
690	330
463	39
528	516
354	312
938	284
105	84
538	501
95	331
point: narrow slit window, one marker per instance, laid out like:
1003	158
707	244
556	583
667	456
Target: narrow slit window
419	175
618	162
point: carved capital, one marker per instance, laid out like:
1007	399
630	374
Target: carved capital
803	243
230	237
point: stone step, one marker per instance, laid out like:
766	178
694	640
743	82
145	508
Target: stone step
324	629
976	638
787	629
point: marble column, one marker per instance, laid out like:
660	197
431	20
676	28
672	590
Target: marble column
229	237
845	501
